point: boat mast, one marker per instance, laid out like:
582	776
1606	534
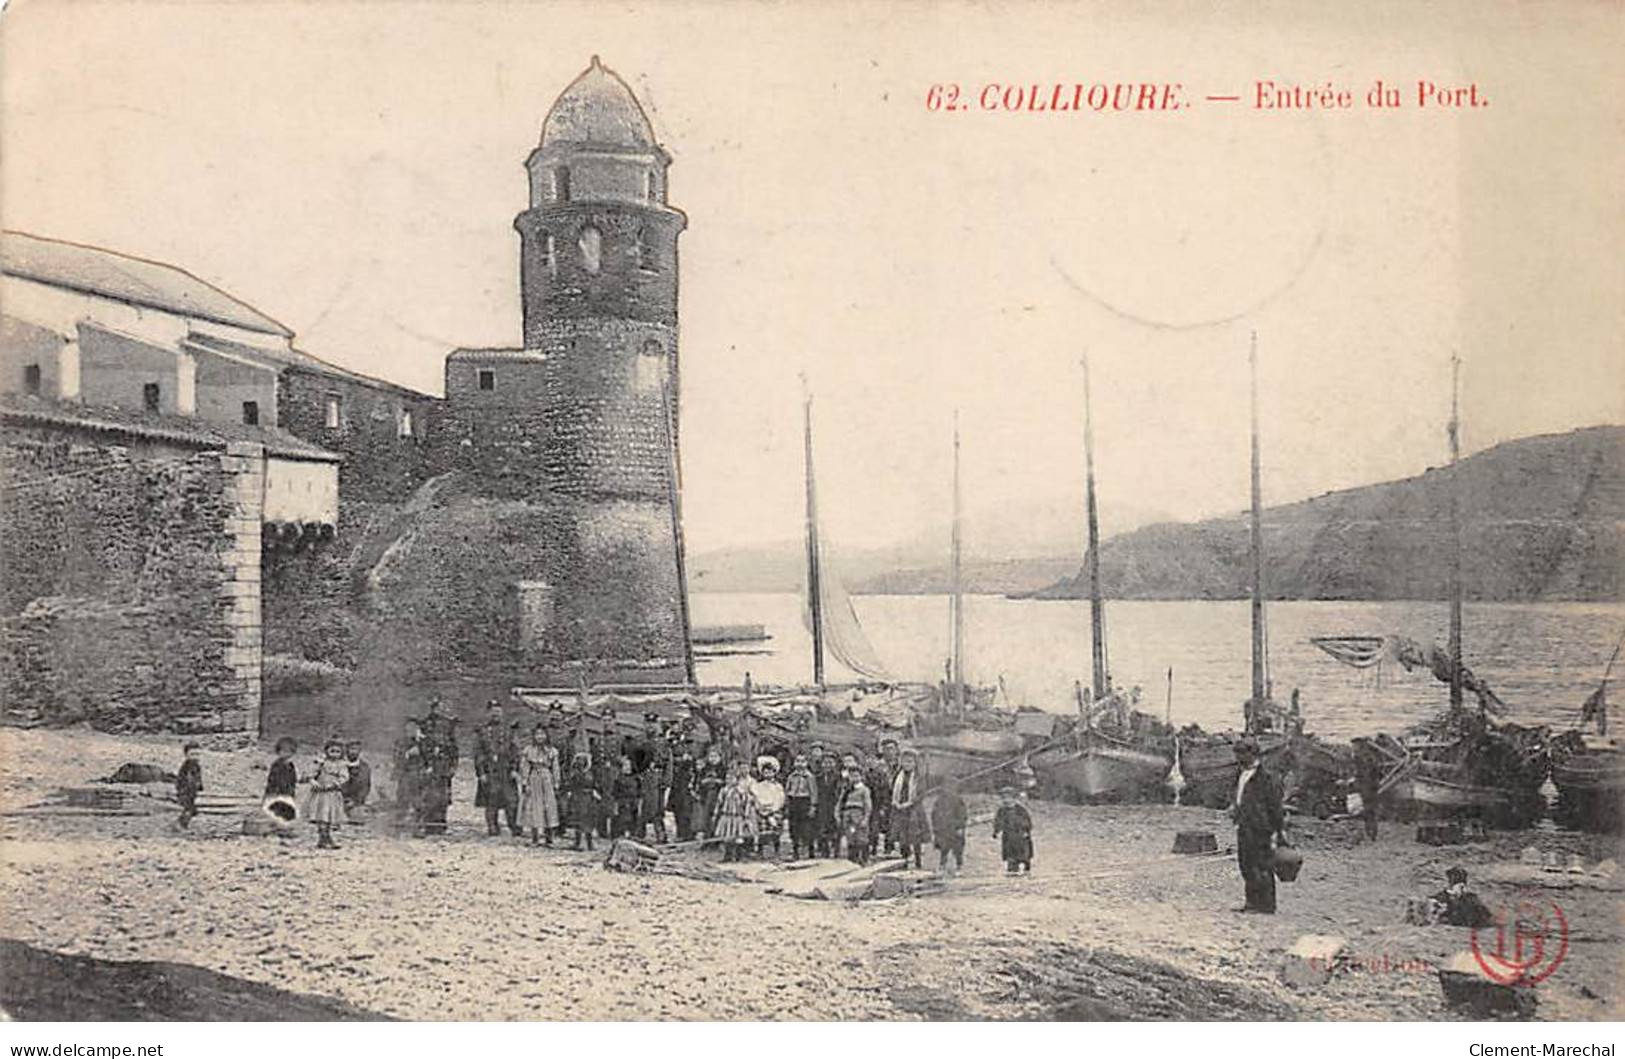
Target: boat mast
674	494
815	594
1454	431
1257	539
1101	683
957	602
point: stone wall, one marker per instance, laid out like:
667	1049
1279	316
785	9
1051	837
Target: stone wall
379	464
129	583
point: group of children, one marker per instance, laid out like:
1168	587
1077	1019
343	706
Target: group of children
340	784
831	806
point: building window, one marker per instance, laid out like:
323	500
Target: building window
592	248
640	250
332	419
548	259
649	185
149	396
404	424
561	184
651	368
31	383
488	380
251	413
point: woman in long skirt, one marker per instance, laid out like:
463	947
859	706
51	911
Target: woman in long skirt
538	788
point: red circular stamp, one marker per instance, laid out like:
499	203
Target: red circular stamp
1527	943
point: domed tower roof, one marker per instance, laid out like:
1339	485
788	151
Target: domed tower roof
597	108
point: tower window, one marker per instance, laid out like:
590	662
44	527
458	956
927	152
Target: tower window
650	373
641	251
649	185
332	418
548	259
592	247
251	413
488	380
561	184
403	426
149	396
31	381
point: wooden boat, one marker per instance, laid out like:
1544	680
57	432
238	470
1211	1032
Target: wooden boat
1105	769
1115	753
1461	763
1588	767
1590	781
1207	761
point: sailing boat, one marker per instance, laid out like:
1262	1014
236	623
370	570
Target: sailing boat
1116	753
1208	762
1460	762
1588	768
962	737
830	616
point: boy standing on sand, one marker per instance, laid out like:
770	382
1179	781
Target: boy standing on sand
856	808
1015	825
187	784
948	818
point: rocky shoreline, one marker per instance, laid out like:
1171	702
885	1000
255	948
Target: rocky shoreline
1110	925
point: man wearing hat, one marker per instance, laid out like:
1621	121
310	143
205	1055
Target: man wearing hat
496	766
684	796
439	763
651	760
1259	818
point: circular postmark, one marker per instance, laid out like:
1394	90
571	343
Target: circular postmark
1527	942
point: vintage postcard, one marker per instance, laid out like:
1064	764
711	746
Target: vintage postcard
840	512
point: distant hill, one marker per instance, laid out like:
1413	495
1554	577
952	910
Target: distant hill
1007	551
886	572
1541	520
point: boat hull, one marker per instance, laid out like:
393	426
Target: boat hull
1421	795
1210	769
974	771
1590	791
1104	773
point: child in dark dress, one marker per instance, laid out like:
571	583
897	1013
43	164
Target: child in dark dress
1015	825
282	781
187	783
581	795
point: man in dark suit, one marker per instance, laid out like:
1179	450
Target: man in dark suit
1259	818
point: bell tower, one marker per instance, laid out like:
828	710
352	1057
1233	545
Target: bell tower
598	270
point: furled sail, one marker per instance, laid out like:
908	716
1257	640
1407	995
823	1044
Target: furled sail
844	637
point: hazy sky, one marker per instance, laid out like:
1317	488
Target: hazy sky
354	170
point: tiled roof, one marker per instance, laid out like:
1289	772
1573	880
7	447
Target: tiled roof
182	430
536	355
132	280
297	358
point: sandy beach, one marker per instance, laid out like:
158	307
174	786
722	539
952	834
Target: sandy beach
1110	924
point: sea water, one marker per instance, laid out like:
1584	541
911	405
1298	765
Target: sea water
1542	659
